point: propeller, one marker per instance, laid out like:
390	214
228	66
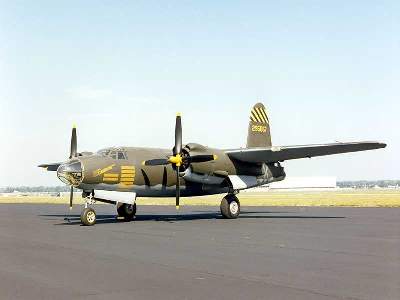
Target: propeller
70	171
71	197
176	159
73	153
179	158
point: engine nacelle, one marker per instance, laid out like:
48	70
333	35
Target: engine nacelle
201	178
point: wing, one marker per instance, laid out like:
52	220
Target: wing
276	154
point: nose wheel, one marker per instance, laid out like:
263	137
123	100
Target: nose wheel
88	216
230	207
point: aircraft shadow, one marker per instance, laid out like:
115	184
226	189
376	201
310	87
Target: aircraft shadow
74	219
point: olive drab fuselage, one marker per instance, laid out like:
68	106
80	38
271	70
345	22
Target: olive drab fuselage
126	172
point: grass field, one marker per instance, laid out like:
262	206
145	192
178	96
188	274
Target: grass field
356	198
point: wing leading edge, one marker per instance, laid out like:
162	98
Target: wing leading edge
278	154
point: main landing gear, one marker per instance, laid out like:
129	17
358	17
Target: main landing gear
230	206
127	211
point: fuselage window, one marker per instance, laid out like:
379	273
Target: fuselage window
113	154
121	155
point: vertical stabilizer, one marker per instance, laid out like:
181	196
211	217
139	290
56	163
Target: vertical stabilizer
259	132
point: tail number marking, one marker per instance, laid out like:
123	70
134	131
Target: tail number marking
259	128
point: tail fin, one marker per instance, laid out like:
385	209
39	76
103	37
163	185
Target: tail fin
259	132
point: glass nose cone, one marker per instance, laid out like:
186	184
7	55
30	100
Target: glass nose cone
70	172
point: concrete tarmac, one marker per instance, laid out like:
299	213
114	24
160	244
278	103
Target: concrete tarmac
268	253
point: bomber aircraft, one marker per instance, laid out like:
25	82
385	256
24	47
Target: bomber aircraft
118	175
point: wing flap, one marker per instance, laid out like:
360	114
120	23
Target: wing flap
277	154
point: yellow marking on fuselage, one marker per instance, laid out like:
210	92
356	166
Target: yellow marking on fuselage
127	167
102	171
127	175
110	179
111	175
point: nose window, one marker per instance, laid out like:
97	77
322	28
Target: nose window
70	173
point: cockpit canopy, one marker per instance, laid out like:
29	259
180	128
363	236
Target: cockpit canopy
114	153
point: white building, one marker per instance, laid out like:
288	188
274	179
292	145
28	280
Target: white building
301	183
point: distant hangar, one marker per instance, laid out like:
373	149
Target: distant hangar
299	183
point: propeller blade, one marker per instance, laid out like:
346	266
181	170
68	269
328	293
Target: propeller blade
202	158
178	135
178	191
156	162
50	167
73	152
71	196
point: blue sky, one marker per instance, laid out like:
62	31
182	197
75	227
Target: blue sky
326	70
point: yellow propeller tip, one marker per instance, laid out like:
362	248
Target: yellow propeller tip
178	114
74	125
177	207
70	208
215	157
143	163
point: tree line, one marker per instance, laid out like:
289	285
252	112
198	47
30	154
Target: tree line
64	188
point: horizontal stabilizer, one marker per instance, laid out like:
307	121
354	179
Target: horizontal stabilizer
278	154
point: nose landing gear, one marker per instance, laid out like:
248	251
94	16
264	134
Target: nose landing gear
230	207
88	216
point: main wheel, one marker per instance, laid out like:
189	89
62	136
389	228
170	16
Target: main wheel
230	207
127	211
88	216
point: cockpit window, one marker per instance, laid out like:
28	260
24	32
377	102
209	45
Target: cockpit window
113	153
103	152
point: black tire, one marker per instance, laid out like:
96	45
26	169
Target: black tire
127	211
88	217
230	207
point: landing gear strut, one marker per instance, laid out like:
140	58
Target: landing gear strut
230	207
127	211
